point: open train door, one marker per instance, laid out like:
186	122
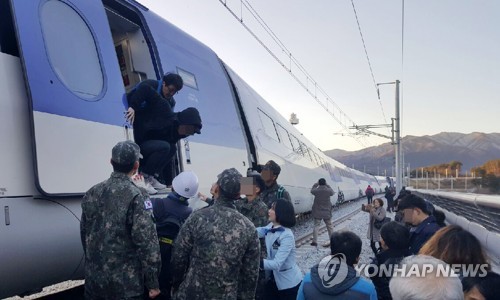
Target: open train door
75	88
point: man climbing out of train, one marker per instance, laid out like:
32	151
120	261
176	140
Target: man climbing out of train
122	255
150	90
274	191
157	129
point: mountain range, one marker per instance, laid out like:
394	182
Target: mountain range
472	150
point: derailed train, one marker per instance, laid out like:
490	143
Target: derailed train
64	66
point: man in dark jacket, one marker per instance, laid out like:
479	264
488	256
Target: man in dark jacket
389	196
322	209
342	282
170	213
156	127
157	135
415	213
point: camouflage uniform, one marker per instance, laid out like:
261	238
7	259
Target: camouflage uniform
273	193
276	191
119	239
216	254
255	211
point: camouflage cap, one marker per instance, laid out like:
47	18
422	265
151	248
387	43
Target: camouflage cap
273	167
126	153
229	182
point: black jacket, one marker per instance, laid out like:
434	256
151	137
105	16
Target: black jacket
390	258
154	115
170	213
422	233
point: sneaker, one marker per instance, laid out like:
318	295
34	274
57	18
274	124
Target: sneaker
154	182
314	244
139	181
326	245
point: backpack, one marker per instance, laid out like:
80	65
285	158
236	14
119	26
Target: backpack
127	95
279	192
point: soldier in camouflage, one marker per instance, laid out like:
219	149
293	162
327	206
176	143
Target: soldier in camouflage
256	211
216	254
273	191
251	206
122	256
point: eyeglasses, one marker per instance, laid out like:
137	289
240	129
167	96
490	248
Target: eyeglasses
171	90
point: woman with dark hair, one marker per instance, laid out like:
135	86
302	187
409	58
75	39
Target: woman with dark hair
377	213
282	271
482	288
455	245
394	243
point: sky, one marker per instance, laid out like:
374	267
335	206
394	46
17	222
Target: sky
447	59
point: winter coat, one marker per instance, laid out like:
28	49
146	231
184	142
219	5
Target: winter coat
322	206
375	214
351	287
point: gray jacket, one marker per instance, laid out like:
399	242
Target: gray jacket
322	206
375	214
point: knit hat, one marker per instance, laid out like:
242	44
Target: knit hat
190	116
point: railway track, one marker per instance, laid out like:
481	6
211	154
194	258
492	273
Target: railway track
305	239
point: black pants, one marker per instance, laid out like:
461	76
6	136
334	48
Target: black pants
272	293
165	278
157	154
390	205
369	199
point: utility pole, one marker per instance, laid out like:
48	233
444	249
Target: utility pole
397	142
395	138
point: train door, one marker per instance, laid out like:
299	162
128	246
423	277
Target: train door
75	88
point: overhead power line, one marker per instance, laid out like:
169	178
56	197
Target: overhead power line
369	63
318	93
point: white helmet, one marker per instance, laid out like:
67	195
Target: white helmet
186	184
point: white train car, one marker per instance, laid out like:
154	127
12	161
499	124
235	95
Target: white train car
64	66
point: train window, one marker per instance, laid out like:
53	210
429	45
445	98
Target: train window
296	145
188	78
285	139
71	49
307	151
268	124
336	173
324	164
316	157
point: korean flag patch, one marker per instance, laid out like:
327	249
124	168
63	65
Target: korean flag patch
148	204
